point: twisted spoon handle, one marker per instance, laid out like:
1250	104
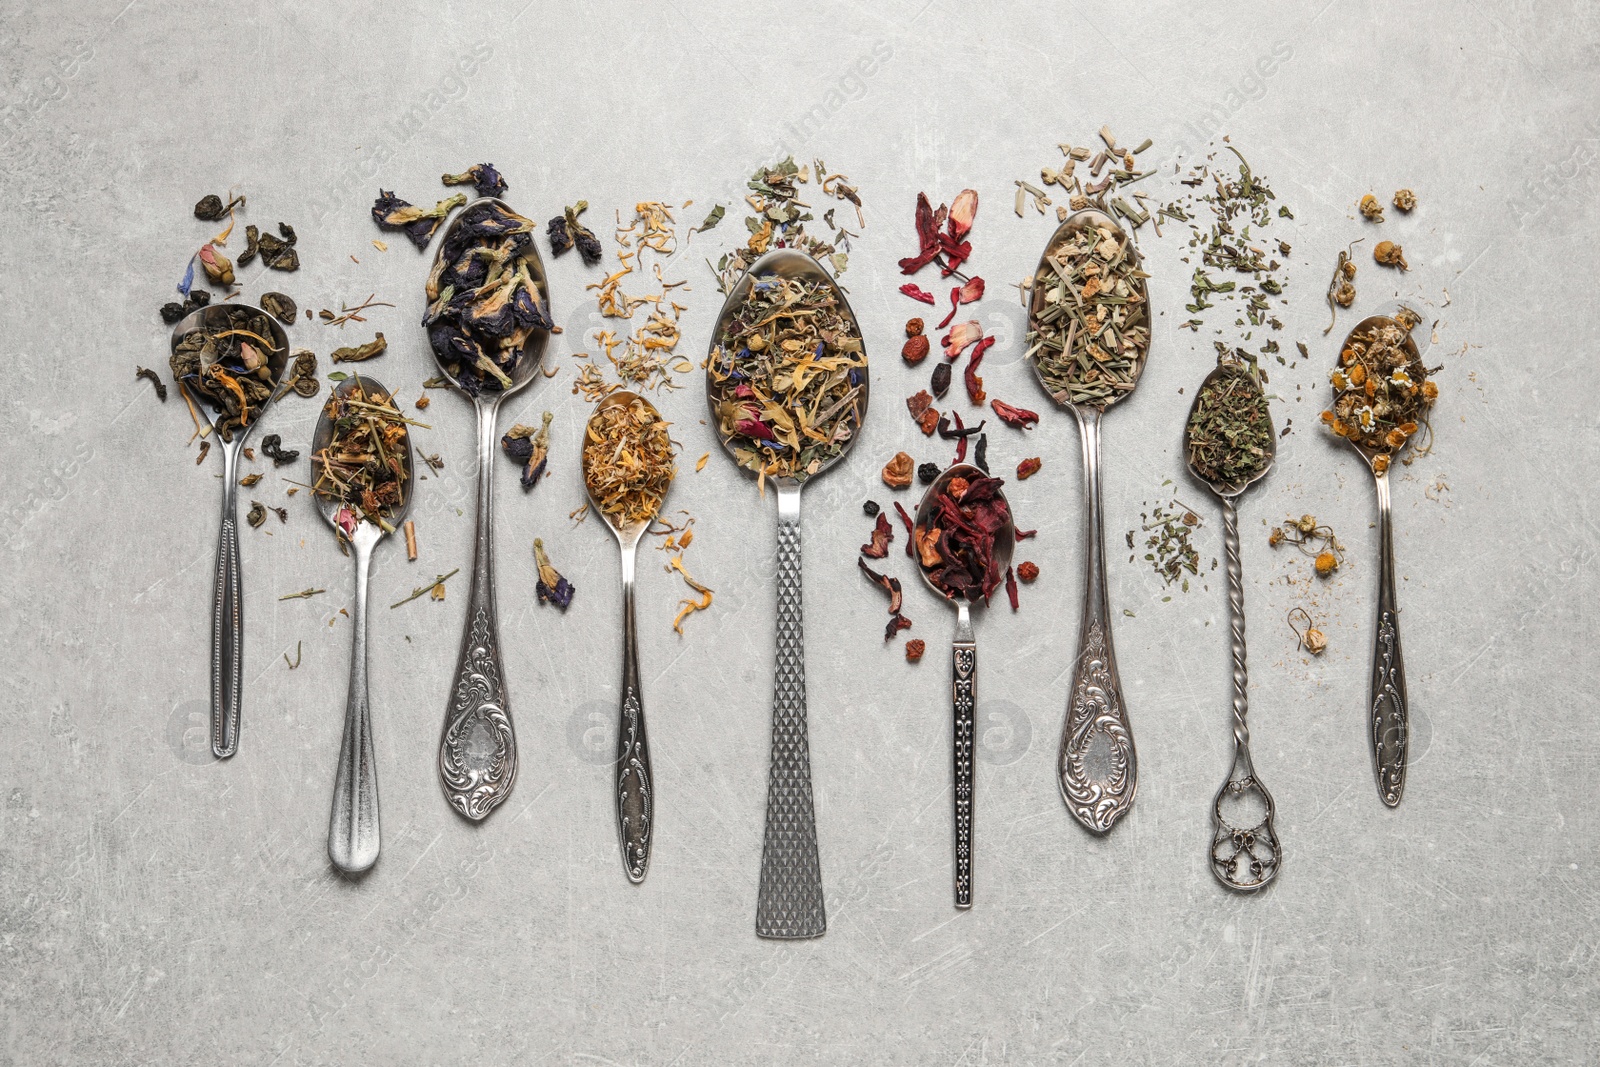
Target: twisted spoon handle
353	824
789	904
635	788
478	748
1390	714
1241	858
227	614
963	685
1097	767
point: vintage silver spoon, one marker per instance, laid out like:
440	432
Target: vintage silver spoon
227	602
478	746
1244	851
353	823
635	788
1097	767
1388	714
789	903
963	678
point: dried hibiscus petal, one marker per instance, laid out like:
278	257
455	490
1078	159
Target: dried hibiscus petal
1011	587
890	586
911	528
962	212
974	383
916	292
882	534
962	335
896	624
1013	416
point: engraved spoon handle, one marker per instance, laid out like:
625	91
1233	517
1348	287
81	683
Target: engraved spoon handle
353	823
478	749
789	903
1241	858
227	613
1097	767
635	787
964	696
1390	712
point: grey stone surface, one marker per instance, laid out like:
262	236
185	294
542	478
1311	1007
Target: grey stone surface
159	908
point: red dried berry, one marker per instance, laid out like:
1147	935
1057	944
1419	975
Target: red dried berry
1028	571
914	328
915	350
1028	468
915	648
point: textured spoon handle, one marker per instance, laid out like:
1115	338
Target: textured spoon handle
478	748
227	619
789	904
635	786
1390	713
963	687
1096	766
353	823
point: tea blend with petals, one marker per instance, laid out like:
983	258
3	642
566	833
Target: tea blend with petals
956	546
365	465
628	461
779	218
1382	395
225	365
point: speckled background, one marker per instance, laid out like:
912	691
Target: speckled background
157	907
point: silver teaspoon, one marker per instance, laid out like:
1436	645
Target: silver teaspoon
789	903
1388	712
963	671
1244	844
478	746
227	603
635	787
353	836
1097	767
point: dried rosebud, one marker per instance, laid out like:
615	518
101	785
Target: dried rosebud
915	349
897	472
216	265
1371	208
1390	255
1028	467
1326	563
914	327
928	473
915	648
1405	200
1028	571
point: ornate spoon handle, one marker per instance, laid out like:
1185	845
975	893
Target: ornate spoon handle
227	614
478	749
789	904
964	694
353	823
1389	711
1097	766
635	787
1243	859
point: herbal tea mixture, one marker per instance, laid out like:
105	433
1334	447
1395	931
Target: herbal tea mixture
365	466
227	365
1382	395
788	376
628	461
483	300
1093	318
1100	192
779	218
1229	436
956	546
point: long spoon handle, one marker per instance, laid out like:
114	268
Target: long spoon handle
478	749
1242	857
964	697
1389	713
1097	766
789	904
227	616
635	787
353	823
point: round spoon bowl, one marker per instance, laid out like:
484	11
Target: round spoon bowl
1005	540
219	316
1226	489
629	533
796	265
1373	322
1071	226
533	348
322	437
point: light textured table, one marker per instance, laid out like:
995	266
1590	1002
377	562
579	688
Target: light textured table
157	907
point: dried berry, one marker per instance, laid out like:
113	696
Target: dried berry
914	328
871	508
1028	571
1028	467
915	349
928	473
897	472
941	379
915	648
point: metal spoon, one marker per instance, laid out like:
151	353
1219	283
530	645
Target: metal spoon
1097	767
635	787
963	679
227	603
1389	713
789	903
1242	858
478	747
353	823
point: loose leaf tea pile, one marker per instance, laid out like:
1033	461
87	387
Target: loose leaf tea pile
483	300
1170	552
779	218
1101	190
366	465
646	355
788	376
1382	395
1229	436
227	365
1092	317
628	461
955	547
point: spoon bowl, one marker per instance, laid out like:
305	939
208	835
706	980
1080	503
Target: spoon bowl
1226	490
1005	540
322	437
1373	322
627	533
221	316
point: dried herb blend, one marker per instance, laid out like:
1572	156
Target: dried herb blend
628	462
1229	436
956	546
1382	395
483	299
788	378
366	464
779	216
1091	317
227	365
